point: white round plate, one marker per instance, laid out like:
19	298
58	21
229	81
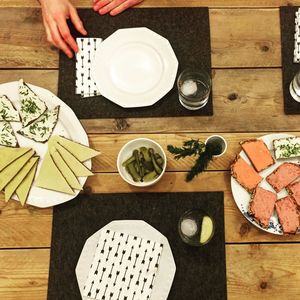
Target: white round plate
134	67
242	197
167	267
68	126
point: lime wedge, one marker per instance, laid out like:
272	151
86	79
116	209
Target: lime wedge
206	229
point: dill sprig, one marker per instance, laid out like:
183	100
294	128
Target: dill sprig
193	147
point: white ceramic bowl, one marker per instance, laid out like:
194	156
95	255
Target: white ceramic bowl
126	152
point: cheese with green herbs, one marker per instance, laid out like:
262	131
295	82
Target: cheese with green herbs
7	110
41	129
32	107
287	147
7	135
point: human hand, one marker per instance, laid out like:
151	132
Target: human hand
114	7
55	15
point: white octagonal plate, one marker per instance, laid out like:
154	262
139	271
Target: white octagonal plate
134	67
167	267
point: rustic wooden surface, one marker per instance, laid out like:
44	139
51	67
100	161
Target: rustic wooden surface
246	59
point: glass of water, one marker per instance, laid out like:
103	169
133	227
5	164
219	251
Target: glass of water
295	87
196	227
193	88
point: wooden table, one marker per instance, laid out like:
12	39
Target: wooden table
247	89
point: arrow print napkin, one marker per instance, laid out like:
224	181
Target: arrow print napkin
85	85
124	267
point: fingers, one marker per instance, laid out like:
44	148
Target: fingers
124	6
76	21
114	7
100	3
65	33
58	41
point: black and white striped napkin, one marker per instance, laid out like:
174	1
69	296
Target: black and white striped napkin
124	267
297	37
85	85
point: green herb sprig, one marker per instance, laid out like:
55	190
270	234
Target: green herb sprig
193	147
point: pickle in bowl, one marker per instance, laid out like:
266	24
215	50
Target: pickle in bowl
144	165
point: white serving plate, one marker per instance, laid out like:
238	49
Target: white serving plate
134	67
167	267
68	126
242	197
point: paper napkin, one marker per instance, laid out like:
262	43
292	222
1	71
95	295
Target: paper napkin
85	85
124	267
297	38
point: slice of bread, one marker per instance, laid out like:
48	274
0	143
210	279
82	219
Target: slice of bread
258	153
262	205
244	174
288	215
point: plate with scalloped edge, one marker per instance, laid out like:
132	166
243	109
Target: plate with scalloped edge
242	197
68	126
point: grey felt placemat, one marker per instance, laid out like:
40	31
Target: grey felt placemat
289	69
188	31
200	271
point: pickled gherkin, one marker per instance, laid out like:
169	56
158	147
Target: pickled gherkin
144	164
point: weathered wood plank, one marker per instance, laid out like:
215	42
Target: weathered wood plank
256	105
24	274
253	272
31	227
23	41
170	3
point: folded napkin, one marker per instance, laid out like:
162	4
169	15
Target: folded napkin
85	85
124	267
297	37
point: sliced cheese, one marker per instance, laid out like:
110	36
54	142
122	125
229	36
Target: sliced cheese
81	152
51	178
7	174
7	135
32	107
11	187
7	110
8	155
23	189
41	129
73	163
65	170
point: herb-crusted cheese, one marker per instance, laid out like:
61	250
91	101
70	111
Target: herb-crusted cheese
32	107
286	148
7	110
7	135
41	129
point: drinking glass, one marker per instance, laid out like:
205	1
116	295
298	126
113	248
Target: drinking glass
193	88
196	227
295	87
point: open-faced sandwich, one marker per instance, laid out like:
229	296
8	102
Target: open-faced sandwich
287	147
294	191
261	206
285	174
288	215
258	153
244	174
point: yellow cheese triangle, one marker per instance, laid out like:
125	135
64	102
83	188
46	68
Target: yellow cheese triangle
81	152
50	177
73	163
8	155
65	170
17	180
7	174
23	189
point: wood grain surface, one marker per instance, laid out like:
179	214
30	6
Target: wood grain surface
247	89
23	41
253	272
